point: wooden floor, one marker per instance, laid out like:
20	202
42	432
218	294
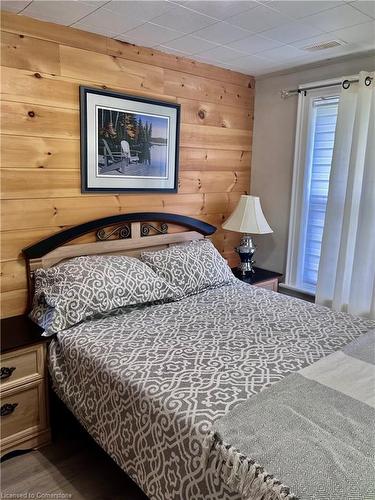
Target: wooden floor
75	467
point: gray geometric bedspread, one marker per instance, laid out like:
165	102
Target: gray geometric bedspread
149	383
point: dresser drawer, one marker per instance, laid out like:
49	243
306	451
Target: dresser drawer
22	366
23	412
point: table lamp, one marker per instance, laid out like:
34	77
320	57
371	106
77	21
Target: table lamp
247	218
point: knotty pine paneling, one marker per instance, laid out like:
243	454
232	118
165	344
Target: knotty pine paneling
43	65
28	213
35	120
110	70
217	115
214	159
42	183
41	153
19	51
24	86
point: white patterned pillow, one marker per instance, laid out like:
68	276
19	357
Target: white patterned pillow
191	267
85	286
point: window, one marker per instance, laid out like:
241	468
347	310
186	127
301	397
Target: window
316	124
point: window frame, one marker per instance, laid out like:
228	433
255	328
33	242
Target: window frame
301	180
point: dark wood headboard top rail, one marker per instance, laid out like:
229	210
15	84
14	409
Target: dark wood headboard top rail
45	246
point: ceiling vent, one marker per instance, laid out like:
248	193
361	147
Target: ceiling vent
324	45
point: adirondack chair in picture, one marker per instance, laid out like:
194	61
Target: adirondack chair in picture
110	159
131	155
118	160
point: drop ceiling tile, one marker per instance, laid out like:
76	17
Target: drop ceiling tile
220	9
190	44
218	64
221	32
253	44
169	50
106	19
357	34
338	18
14	5
301	8
221	54
358	47
363	47
252	65
367	7
292	32
96	3
150	34
283	53
184	20
105	31
61	12
259	19
145	10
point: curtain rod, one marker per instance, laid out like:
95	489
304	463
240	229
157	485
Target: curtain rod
345	85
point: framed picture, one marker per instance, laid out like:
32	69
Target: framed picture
128	143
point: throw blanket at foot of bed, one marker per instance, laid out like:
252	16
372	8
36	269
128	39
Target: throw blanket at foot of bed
314	430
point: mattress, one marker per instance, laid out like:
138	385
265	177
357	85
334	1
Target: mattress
149	382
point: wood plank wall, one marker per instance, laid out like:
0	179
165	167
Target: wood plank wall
43	65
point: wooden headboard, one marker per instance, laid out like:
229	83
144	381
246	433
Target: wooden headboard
125	234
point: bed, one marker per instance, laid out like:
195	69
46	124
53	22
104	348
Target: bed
179	394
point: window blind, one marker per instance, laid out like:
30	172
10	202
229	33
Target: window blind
322	136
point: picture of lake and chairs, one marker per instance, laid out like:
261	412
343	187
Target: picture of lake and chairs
132	144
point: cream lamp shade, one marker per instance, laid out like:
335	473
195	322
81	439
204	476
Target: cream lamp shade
248	217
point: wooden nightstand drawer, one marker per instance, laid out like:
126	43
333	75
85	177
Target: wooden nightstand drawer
268	285
23	413
23	387
22	366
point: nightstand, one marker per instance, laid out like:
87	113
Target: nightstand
261	278
23	386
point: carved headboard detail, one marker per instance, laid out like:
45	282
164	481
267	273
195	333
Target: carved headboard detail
126	234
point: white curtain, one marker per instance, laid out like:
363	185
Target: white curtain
346	278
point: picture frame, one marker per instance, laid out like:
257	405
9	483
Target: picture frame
128	143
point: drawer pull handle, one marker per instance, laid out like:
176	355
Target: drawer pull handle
7	409
6	372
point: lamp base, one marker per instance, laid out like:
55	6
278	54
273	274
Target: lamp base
246	251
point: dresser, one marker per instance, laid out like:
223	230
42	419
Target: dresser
261	278
23	386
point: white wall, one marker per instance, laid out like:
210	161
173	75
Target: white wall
273	150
